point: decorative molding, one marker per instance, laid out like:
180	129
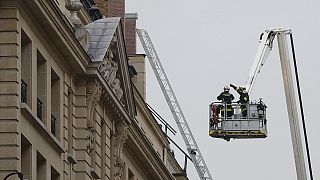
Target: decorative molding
119	169
108	68
41	128
93	95
74	6
120	137
82	36
116	84
90	139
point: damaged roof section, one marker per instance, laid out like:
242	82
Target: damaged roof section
101	33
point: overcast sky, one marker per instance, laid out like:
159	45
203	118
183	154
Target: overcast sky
207	44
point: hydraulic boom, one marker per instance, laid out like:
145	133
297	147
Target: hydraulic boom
266	41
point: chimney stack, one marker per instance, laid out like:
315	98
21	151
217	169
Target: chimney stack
130	32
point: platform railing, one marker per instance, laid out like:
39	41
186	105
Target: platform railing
242	115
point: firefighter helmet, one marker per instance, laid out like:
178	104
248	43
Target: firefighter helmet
226	89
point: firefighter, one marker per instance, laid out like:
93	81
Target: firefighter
243	99
226	97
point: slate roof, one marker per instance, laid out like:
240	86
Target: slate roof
101	33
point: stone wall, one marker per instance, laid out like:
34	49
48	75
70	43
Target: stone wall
9	91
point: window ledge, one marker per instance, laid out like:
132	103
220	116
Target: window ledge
34	120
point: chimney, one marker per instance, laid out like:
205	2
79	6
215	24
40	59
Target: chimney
111	8
103	6
116	8
130	32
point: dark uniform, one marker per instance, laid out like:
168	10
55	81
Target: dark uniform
243	100
226	98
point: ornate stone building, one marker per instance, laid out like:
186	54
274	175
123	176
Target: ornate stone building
71	106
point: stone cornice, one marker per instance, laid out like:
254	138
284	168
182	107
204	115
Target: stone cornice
138	143
59	32
113	106
43	130
148	117
125	71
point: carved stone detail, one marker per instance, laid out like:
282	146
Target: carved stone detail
94	91
114	40
108	68
93	95
119	169
74	6
117	88
121	136
82	36
90	139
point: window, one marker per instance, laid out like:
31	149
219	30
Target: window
26	68
41	167
55	102
41	87
130	175
54	174
26	157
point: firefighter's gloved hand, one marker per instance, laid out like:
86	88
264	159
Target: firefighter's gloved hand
233	86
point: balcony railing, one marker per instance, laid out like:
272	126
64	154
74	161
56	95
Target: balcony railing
24	88
39	109
53	125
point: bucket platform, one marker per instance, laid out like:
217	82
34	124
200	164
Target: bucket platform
241	121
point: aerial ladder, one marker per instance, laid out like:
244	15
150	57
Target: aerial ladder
174	106
254	124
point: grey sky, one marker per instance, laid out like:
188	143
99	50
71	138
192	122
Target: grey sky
205	45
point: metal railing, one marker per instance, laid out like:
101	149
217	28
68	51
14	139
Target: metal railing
53	125
243	114
39	109
24	88
167	126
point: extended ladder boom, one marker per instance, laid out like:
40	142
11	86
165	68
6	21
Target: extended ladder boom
174	106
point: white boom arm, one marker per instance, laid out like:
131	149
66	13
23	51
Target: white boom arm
264	49
260	58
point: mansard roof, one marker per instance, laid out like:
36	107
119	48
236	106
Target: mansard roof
107	51
101	33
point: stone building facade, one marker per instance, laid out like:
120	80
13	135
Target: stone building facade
71	106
